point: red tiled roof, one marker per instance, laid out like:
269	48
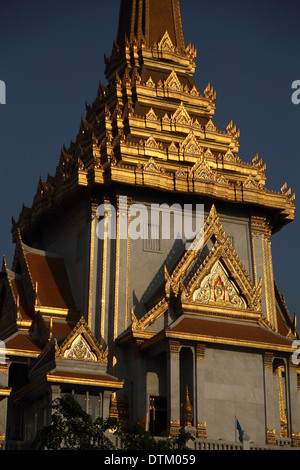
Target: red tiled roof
19	291
22	343
53	284
246	332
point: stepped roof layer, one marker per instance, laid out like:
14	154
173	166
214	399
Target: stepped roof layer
151	127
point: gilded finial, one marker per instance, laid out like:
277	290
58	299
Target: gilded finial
187	409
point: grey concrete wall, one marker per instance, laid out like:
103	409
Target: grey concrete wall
234	387
61	237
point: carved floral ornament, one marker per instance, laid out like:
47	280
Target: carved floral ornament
218	289
81	345
80	351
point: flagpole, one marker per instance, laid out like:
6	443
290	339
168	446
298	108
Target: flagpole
235	429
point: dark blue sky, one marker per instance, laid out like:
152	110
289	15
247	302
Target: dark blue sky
52	57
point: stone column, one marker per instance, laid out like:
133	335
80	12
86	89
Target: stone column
263	265
106	403
199	414
173	387
294	415
139	385
4	394
269	398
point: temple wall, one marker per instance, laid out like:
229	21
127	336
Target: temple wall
69	237
151	262
234	387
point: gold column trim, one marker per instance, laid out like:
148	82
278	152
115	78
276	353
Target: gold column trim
201	430
91	273
200	352
268	360
282	407
174	427
296	439
172	349
272	284
103	289
127	269
271	437
260	227
254	258
117	284
266	280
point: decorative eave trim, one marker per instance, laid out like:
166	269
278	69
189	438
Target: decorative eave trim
169	334
225	341
51	377
5	392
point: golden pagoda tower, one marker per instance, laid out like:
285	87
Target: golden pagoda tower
129	323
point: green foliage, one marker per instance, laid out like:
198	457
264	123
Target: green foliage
72	428
134	437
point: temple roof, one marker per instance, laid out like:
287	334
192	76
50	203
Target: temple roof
221	331
149	20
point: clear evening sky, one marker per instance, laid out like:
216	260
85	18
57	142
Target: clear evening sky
51	60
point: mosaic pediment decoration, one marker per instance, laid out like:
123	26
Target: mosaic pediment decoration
218	289
80	350
201	171
81	345
165	44
190	145
221	278
152	166
172	82
181	116
151	116
151	143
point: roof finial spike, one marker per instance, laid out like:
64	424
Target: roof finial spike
139	23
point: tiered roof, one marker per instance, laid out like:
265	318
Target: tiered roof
151	127
148	127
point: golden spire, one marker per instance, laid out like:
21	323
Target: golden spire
187	409
148	20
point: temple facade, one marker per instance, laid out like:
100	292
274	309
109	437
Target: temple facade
177	332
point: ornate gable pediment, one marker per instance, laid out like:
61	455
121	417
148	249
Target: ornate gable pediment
209	277
151	143
190	145
166	44
172	82
181	116
221	278
151	116
152	166
81	345
201	171
217	289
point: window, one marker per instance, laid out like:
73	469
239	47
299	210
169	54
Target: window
90	402
151	237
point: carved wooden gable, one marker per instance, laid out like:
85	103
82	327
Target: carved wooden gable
209	278
81	345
